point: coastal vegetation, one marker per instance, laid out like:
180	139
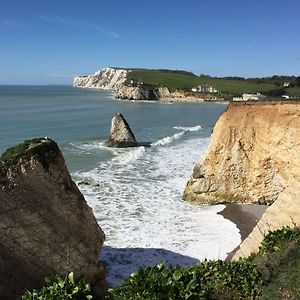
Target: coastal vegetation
272	273
59	288
227	86
12	153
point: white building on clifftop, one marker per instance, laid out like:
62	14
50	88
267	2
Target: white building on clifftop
204	89
250	97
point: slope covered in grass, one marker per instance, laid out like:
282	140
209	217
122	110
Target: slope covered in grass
184	80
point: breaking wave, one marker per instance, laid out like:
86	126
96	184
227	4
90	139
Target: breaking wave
136	198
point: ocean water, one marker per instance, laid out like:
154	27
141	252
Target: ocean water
135	193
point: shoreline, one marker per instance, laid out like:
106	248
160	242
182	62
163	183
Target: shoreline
244	216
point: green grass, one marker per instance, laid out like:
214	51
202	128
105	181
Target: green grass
294	91
45	149
285	283
279	260
176	80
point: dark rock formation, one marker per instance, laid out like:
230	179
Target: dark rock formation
46	226
121	135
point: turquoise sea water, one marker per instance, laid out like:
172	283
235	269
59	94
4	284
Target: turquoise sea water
135	193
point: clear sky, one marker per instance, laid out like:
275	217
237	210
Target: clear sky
49	42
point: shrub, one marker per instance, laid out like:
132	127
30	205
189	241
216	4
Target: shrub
276	239
59	288
206	280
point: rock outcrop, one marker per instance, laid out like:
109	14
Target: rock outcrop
284	212
141	93
253	155
115	79
121	135
105	79
46	226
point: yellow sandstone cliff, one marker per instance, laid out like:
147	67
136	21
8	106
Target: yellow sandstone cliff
253	157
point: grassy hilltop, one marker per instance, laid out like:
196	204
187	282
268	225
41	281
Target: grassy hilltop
227	86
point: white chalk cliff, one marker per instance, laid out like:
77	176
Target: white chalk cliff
105	79
115	79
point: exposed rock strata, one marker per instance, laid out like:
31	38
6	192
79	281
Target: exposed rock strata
105	79
252	158
115	79
121	135
46	225
141	93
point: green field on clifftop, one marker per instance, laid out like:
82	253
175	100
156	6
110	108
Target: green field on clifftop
186	81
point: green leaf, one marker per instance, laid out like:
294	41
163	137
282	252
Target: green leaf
71	277
177	275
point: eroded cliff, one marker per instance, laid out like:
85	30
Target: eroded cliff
46	226
115	79
253	155
285	211
142	93
105	79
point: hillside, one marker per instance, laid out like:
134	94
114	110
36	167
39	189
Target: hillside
228	86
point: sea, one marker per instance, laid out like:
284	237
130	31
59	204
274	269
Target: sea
135	193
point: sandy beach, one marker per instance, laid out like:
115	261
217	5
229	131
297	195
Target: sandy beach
245	216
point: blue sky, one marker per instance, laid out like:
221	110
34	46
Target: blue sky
49	42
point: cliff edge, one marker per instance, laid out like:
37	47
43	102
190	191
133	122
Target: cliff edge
46	226
284	212
105	79
253	155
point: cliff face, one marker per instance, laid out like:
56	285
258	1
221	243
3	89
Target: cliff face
106	79
284	212
115	79
141	93
46	225
252	158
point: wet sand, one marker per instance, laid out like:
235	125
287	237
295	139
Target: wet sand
245	216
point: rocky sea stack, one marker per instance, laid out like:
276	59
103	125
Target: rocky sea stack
46	226
121	135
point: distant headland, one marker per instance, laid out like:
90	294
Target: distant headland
178	85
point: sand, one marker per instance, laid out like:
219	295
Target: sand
245	216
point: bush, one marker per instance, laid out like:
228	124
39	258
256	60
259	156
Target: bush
207	280
61	289
276	239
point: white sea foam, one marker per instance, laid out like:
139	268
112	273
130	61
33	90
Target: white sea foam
169	139
191	129
176	136
136	197
129	155
86	146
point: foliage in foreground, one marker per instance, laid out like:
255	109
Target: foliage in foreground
279	260
262	275
275	240
273	273
207	280
61	289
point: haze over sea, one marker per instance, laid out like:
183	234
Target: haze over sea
135	193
